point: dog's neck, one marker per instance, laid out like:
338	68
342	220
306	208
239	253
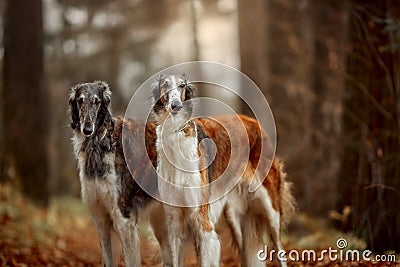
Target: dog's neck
100	134
174	124
96	148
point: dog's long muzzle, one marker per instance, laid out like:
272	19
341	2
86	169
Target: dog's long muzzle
176	106
88	128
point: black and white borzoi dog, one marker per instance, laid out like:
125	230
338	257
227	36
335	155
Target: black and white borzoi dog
179	162
108	189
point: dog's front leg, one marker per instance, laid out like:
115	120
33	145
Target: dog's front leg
103	227
208	247
159	225
174	237
129	237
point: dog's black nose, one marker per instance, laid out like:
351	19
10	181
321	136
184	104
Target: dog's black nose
176	106
88	130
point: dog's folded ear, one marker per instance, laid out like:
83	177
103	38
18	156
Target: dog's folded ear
73	108
105	113
184	76
191	91
160	77
72	93
155	87
105	88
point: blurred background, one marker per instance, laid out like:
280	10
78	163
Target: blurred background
329	69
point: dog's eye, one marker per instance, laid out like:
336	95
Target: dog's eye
80	100
182	85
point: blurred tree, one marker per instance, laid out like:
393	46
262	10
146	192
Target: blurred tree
369	181
253	40
328	19
294	51
25	114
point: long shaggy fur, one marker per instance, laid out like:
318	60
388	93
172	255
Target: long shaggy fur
180	137
265	211
97	146
249	215
108	188
286	199
105	177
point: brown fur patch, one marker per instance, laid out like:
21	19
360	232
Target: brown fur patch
272	183
132	196
183	94
205	220
189	129
203	210
162	98
256	138
220	136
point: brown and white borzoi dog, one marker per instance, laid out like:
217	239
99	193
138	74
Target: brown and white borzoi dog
249	214
108	189
179	162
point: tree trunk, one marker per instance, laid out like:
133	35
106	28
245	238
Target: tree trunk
369	179
25	114
294	51
326	82
253	36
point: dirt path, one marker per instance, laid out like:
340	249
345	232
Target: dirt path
83	248
79	246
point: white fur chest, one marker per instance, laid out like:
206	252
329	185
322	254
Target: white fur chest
177	156
102	192
97	193
177	163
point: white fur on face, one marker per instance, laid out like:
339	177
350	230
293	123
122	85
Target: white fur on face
173	91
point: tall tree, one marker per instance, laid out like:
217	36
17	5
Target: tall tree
328	19
294	51
25	114
369	181
253	36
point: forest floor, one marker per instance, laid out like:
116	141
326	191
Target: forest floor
63	235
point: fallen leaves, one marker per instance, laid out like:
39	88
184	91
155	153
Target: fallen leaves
63	235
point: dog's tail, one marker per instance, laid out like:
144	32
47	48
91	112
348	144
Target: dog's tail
286	199
257	139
